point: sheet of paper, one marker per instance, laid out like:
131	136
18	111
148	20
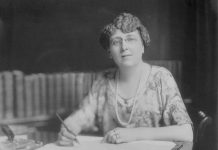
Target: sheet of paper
4	138
94	143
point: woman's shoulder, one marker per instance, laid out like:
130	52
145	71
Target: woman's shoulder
102	77
159	72
159	69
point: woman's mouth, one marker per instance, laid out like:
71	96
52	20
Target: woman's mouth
126	55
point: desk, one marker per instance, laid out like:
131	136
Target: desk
49	137
91	142
125	146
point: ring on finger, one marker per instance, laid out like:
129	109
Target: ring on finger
116	133
117	136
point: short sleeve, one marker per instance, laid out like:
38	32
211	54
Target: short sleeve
174	110
84	117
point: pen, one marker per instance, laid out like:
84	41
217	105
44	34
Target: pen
180	147
65	126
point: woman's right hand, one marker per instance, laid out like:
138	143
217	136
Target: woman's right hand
66	138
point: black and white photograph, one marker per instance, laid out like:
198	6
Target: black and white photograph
108	74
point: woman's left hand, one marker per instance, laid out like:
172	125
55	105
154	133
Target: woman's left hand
118	135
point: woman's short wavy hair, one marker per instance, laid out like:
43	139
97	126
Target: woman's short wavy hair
125	22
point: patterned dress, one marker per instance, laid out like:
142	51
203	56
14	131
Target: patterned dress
158	103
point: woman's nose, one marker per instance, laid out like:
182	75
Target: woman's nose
124	45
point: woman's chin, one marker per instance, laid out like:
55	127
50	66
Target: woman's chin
128	64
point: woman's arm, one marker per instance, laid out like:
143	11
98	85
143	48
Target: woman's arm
168	133
83	118
76	122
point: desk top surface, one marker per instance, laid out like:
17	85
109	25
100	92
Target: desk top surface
49	139
91	142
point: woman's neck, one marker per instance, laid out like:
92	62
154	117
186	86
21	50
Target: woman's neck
130	73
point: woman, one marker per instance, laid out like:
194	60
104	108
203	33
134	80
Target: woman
135	101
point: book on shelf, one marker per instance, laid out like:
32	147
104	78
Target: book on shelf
42	93
72	88
79	88
58	91
51	94
8	95
28	94
66	91
19	94
36	98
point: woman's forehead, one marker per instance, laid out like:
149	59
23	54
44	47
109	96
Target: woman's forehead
119	33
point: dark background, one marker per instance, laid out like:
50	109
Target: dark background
54	35
48	35
62	35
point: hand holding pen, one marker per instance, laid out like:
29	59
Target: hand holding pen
67	136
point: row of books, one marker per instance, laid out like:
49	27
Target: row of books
34	95
26	96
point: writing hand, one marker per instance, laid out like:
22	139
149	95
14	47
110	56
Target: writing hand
66	138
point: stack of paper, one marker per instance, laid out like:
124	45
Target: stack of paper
94	143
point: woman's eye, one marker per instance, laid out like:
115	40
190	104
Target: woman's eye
115	42
130	39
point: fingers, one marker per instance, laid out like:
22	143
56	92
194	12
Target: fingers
67	143
63	141
65	138
104	140
112	137
68	135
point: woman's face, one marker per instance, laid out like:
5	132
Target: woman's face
126	49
